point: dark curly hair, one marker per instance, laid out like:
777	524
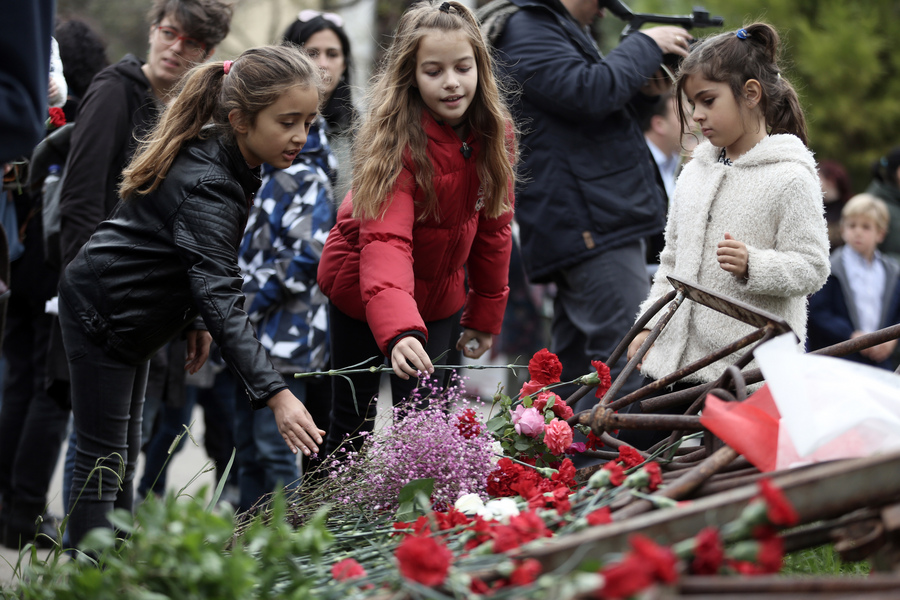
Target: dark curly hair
83	54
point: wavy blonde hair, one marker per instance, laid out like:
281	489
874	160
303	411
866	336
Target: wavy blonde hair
255	80
393	123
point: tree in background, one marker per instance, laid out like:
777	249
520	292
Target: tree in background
839	54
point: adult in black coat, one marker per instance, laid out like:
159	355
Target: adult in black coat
589	196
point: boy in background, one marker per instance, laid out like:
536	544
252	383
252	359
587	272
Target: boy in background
862	293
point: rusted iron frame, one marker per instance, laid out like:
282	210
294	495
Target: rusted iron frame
819	534
683	486
639	355
820	491
715	486
623	345
611	421
778	584
695	366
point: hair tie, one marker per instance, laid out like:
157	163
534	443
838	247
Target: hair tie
742	34
226	66
445	7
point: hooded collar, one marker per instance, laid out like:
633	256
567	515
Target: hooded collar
771	149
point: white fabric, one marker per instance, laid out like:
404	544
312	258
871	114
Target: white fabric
867	281
771	200
56	74
667	165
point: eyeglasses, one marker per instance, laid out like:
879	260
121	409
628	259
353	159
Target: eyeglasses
309	14
170	35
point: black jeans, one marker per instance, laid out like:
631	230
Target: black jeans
32	424
107	405
352	342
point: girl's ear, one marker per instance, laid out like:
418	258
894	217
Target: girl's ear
752	92
238	121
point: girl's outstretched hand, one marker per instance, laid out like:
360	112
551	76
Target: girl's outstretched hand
474	343
294	423
733	256
408	357
198	342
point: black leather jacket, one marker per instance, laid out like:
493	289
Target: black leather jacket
162	259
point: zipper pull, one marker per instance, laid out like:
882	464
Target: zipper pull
466	150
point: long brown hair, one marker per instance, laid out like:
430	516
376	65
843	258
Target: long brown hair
735	58
255	80
393	124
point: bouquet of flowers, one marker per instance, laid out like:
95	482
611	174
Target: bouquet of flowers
537	429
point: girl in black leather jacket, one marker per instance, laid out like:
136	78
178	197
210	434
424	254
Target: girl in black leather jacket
168	255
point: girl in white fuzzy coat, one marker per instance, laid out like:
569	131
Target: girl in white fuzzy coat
747	215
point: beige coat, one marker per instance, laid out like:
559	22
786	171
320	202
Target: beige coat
770	199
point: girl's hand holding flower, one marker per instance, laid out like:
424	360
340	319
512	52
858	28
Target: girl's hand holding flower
474	343
408	357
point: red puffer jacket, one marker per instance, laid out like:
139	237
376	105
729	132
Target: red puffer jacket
398	272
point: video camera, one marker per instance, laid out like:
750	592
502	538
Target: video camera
634	21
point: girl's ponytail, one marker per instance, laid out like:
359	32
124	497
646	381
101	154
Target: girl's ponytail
192	109
735	57
209	93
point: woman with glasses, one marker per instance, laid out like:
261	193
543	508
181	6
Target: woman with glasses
323	37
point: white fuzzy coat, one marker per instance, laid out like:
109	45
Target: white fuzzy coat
771	200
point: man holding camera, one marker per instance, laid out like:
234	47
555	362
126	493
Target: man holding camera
589	196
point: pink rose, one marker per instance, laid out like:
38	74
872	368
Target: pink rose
531	423
515	416
558	436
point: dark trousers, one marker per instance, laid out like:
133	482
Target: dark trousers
32	424
596	304
218	415
352	343
107	404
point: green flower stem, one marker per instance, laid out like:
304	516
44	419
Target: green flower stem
388	368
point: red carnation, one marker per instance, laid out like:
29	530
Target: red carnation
653	469
562	410
661	558
468	423
780	512
565	473
530	526
625	579
601	516
771	554
423	560
347	569
593	442
451	519
57	117
526	572
530	387
630	457
544	367
616	473
604	376
708	552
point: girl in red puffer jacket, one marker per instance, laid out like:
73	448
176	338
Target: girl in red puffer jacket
431	203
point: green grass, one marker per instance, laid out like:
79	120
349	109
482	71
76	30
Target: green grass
822	560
